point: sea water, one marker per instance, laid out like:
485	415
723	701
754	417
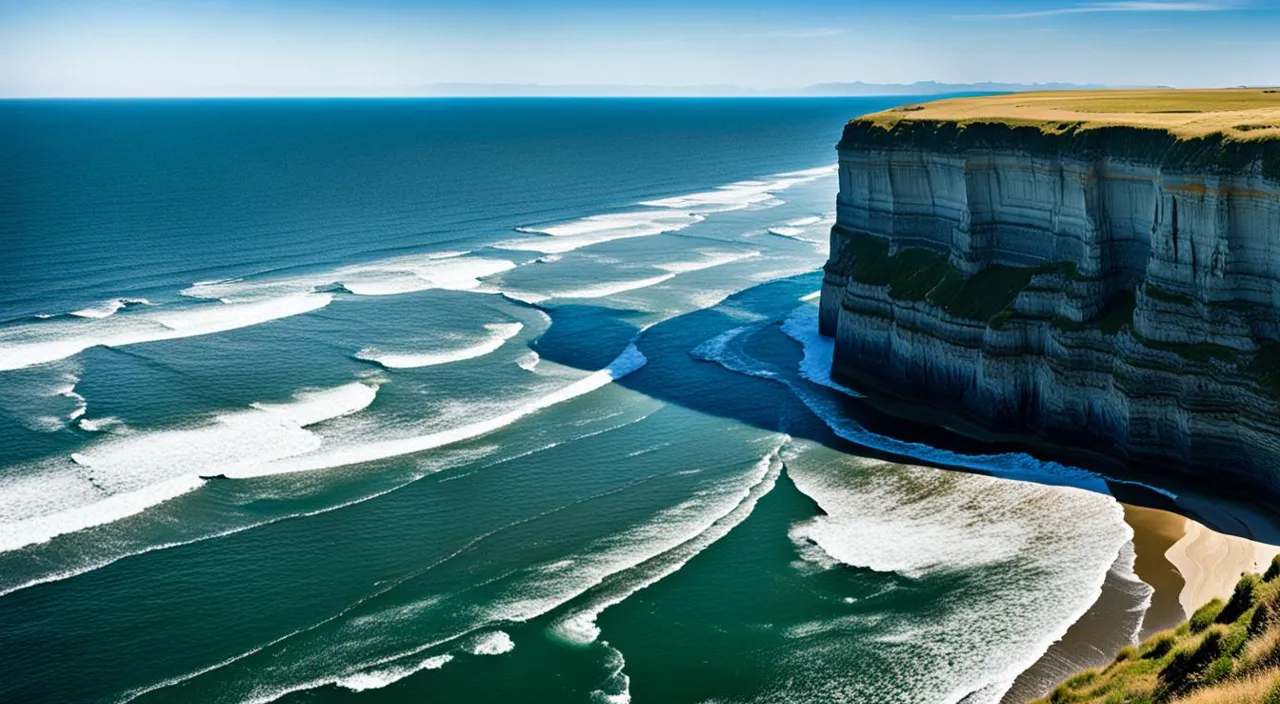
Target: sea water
478	400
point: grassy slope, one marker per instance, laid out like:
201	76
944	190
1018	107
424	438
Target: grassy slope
1228	653
1238	114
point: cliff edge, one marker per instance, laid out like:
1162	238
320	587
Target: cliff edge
1099	270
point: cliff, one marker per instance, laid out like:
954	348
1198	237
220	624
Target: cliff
1099	270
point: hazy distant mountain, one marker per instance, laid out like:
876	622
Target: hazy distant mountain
934	88
855	88
513	90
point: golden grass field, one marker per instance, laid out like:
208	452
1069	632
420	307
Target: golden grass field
1243	114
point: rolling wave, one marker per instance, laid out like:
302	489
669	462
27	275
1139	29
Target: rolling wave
125	474
664	215
108	308
499	333
46	341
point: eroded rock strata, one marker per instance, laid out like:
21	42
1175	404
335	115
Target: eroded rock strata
1113	288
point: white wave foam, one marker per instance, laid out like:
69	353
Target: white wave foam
1040	553
819	351
495	643
42	528
420	272
580	626
37	343
796	229
1139	591
741	195
596	229
617	686
907	537
66	390
599	290
611	288
96	425
499	333
665	215
377	679
529	362
123	475
630	360
708	260
108	308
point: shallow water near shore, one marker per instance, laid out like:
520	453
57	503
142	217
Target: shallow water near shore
507	400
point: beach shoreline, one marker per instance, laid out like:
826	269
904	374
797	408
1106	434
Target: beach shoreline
1183	562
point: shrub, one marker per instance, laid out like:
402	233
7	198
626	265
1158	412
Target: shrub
1158	646
1233	642
1188	662
1220	670
1260	620
1273	571
1241	599
1205	615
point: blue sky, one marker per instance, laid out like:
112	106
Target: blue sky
236	47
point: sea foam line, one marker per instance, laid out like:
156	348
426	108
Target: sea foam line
121	476
580	625
629	361
661	215
37	343
241	303
499	333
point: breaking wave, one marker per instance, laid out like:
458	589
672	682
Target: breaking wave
37	343
125	474
377	679
499	333
664	215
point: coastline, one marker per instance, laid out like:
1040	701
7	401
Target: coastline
1185	563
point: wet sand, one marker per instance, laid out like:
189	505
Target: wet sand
1155	532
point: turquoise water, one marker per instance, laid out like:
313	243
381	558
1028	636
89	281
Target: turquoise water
479	400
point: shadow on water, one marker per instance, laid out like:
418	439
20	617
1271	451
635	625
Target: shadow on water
589	337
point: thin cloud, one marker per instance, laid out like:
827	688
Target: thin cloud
1122	6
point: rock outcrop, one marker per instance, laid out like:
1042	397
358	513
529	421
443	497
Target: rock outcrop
1096	285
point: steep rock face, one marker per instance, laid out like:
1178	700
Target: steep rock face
1096	297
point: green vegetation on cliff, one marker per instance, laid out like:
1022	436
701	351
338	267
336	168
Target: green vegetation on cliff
1228	131
918	274
1227	653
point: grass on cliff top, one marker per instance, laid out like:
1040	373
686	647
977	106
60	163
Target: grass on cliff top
1240	114
1227	653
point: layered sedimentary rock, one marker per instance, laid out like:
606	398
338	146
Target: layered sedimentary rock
1105	286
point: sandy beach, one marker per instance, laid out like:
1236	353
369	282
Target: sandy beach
1211	562
1185	563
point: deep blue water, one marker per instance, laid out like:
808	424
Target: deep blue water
473	400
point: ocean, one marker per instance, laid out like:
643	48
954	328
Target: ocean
509	400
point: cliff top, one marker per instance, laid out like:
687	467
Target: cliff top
1241	114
